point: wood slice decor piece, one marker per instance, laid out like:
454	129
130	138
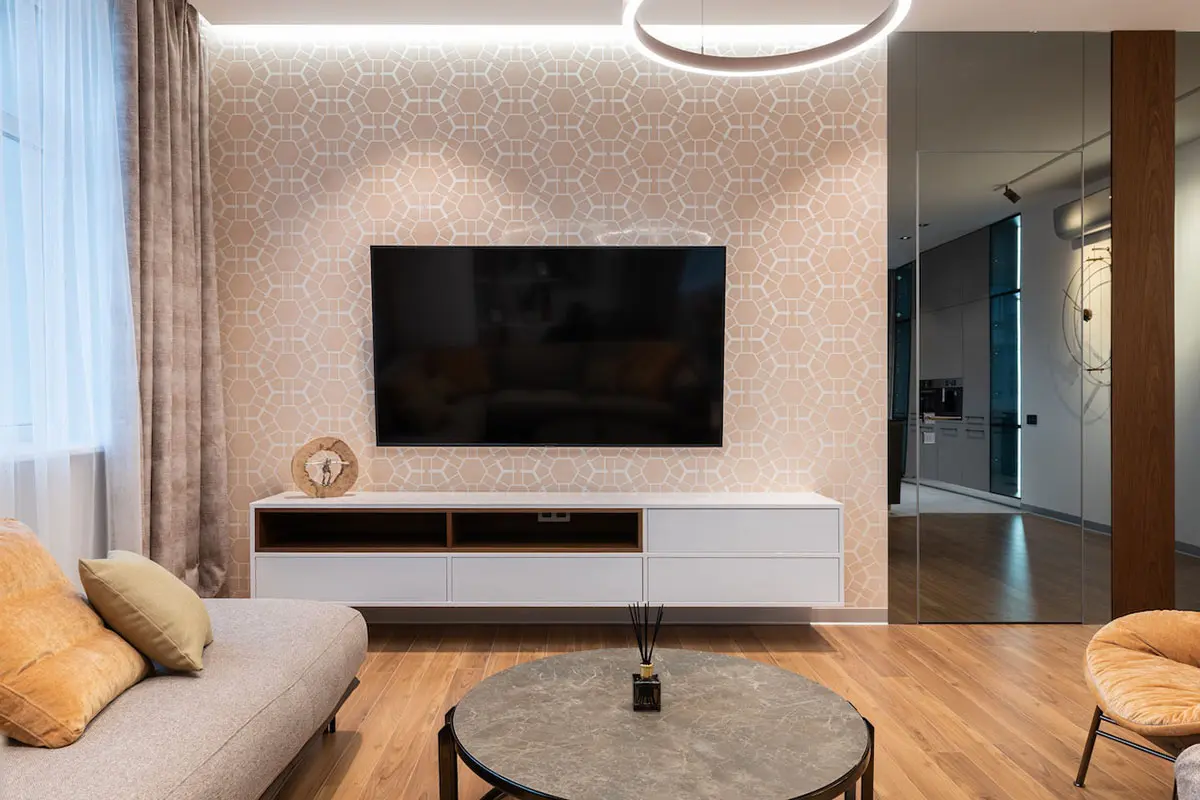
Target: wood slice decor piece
325	467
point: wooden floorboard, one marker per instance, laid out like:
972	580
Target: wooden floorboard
961	711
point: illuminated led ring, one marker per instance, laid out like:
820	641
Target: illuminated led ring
780	64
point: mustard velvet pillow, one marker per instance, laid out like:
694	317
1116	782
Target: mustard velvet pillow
59	665
156	612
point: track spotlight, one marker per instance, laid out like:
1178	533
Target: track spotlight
1012	196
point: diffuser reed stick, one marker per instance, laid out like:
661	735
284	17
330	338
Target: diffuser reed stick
647	689
647	636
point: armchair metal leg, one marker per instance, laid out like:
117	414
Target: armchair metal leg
1088	747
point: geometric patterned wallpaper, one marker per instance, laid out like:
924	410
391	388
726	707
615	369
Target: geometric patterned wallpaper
321	149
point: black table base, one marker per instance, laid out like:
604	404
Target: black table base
859	784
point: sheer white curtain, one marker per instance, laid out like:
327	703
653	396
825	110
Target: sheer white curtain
68	388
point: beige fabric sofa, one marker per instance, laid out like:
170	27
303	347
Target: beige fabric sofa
1187	774
276	672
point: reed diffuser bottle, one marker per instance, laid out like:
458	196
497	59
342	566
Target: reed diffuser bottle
647	689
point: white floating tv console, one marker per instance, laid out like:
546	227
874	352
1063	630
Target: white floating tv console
578	549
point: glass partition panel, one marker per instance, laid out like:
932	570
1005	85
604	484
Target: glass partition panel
987	135
902	324
1187	323
999	521
1087	326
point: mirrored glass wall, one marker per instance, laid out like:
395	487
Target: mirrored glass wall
1187	323
999	359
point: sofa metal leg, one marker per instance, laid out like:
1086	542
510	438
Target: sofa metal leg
1088	747
332	726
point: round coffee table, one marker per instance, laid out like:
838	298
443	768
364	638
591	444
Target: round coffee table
564	728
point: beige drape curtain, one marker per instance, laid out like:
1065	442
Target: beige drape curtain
173	276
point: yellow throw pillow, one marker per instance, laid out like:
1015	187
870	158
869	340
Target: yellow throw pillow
59	665
156	612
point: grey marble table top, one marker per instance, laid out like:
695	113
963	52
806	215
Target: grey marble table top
729	728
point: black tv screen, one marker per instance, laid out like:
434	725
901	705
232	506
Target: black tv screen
549	346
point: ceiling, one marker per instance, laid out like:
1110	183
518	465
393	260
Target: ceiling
928	15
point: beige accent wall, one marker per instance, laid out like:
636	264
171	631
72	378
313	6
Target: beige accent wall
320	150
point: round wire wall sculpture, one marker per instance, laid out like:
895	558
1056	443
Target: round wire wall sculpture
325	467
777	64
1086	320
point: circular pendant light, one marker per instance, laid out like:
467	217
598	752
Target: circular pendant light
779	64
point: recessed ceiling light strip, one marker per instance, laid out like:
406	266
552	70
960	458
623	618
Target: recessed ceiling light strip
778	64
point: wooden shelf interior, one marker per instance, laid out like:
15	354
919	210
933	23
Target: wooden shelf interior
553	531
426	530
349	530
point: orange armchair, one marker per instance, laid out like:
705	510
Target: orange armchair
1144	671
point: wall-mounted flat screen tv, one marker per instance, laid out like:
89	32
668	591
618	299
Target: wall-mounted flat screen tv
548	346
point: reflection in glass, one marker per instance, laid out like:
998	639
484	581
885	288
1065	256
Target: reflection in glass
1085	329
1187	323
901	300
987	136
1005	356
1000	522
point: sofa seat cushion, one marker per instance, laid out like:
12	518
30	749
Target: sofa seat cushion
1144	670
275	671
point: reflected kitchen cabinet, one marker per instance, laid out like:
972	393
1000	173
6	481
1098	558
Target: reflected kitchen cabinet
929	452
941	344
976	458
976	360
950	452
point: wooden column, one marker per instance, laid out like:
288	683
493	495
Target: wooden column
1143	321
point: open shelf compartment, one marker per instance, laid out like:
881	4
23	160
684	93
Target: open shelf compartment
557	530
342	530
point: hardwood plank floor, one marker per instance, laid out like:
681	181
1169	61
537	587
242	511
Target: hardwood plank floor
961	711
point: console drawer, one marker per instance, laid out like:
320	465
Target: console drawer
779	580
547	580
376	578
744	530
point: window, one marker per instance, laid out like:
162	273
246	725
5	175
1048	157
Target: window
64	279
69	456
15	411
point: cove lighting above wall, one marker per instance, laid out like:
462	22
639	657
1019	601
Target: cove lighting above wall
421	34
724	36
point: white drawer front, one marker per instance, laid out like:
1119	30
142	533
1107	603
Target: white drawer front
352	579
719	581
743	530
547	580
